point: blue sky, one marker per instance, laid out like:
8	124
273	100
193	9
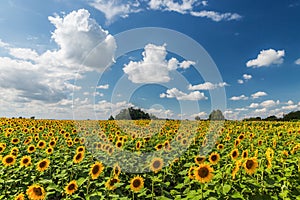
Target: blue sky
74	59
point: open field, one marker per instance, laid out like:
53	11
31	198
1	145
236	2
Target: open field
51	159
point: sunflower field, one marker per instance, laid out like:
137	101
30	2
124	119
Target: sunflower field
66	159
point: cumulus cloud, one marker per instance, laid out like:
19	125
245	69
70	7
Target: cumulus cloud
237	98
297	62
266	58
179	95
82	40
160	112
254	105
247	76
154	68
46	79
269	103
240	81
216	16
207	86
258	94
114	8
200	114
105	87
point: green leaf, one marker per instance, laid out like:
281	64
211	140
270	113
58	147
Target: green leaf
237	195
81	180
226	188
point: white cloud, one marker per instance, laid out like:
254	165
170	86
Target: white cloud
253	105
202	115
115	8
290	102
261	111
23	53
154	68
269	103
207	86
3	44
247	76
216	16
241	109
290	107
266	58
240	81
237	98
105	87
118	8
179	95
258	94
42	84
82	40
160	113
297	62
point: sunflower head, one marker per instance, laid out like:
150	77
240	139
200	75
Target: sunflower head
25	161
20	196
136	183
117	170
214	158
111	183
36	192
78	157
199	159
49	150
96	170
250	165
234	154
71	187
43	165
31	148
245	154
8	160
203	173
41	144
156	164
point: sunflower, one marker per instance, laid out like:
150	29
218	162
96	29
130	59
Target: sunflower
199	159
245	154
25	161
241	136
214	158
8	160
184	141
138	145
20	196
15	140
117	170
237	142
49	150
156	164
234	154
31	148
250	165
220	146
52	143
43	165
191	173
203	173
260	142
36	192
41	144
110	183
80	149
14	151
136	183
2	148
71	187
78	157
27	141
158	147
119	144
96	170
238	163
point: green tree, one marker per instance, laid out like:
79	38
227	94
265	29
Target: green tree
111	118
132	114
216	115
